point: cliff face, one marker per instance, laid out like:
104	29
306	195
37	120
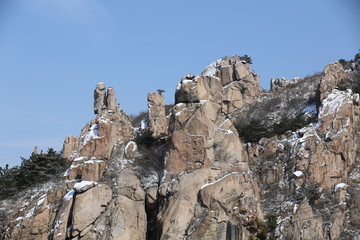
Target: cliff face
193	177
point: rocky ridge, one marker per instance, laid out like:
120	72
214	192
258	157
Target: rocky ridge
201	181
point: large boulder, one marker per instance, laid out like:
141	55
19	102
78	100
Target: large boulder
88	206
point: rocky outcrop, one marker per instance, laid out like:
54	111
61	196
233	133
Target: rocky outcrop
200	180
240	85
334	74
70	147
205	153
100	98
104	100
280	83
158	123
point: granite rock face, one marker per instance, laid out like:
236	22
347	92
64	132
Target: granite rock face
280	83
201	180
158	123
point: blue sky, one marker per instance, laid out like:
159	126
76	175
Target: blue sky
54	52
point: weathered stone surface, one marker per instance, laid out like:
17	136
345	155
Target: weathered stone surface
129	185
280	83
190	91
111	100
304	224
89	205
82	186
158	122
334	73
93	170
62	218
70	147
98	138
151	197
212	185
100	98
234	190
239	85
128	220
131	150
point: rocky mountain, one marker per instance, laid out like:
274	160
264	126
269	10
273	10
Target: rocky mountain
194	174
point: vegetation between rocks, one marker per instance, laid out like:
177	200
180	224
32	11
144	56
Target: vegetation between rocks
255	129
38	168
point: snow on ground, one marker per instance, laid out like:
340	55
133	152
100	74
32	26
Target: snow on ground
93	161
133	147
219	180
310	109
334	100
83	185
42	199
92	133
340	185
212	69
150	180
68	196
78	159
144	123
30	213
298	173
66	173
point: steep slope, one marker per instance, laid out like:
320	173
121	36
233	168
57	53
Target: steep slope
190	175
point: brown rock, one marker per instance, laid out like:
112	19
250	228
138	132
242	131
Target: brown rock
129	185
334	73
158	122
128	220
93	170
62	218
89	205
100	98
70	146
111	100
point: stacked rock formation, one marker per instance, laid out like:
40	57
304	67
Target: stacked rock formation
158	123
240	85
201	181
280	83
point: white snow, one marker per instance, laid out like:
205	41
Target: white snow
150	180
144	124
18	219
229	132
340	185
178	87
30	213
75	166
91	134
67	173
311	109
78	159
124	162
219	180
335	99
40	201
179	113
69	195
129	144
298	173
295	208
82	184
212	69
93	161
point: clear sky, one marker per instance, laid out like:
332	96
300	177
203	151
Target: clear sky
54	52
